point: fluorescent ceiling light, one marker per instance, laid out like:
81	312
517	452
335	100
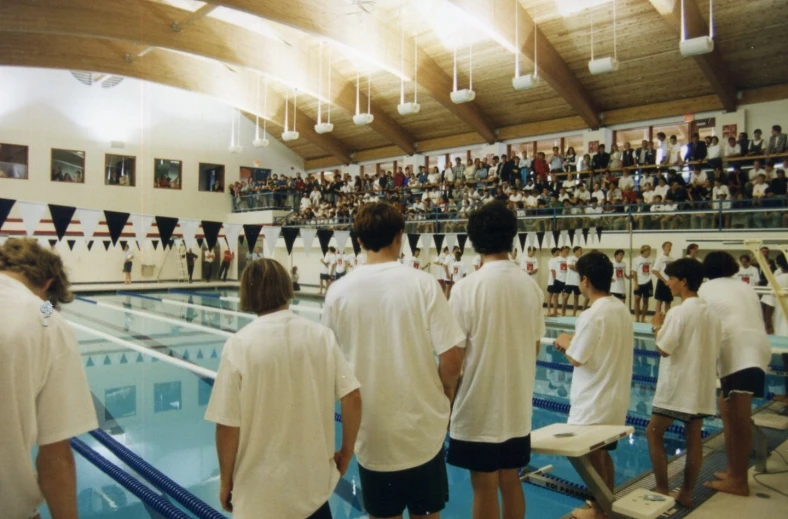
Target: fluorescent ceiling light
569	7
188	5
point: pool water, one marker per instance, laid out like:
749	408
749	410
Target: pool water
156	409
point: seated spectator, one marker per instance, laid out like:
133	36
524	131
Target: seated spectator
760	187
778	184
698	175
626	180
732	149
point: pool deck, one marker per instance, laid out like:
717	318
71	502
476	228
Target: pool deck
150	285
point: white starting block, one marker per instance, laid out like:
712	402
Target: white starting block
576	442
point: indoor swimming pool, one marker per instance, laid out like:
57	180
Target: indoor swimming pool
155	409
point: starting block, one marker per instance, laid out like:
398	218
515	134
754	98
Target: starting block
643	504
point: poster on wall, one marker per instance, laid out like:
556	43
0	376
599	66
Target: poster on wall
729	130
13	161
68	166
593	146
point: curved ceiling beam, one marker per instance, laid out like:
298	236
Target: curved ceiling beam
324	18
154	24
182	71
499	15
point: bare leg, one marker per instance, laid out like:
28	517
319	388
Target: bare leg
655	432
723	405
563	307
637	309
512	494
667	307
485	495
575	305
693	462
740	432
658	307
644	310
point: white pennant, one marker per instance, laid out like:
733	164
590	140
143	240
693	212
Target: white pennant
341	238
531	239
32	213
271	235
141	224
564	238
426	242
451	241
231	233
3	239
89	220
189	231
308	237
43	243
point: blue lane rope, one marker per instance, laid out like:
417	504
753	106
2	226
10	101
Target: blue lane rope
190	293
560	366
86	300
135	294
189	501
145	494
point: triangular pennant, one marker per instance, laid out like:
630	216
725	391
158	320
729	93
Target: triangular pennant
522	236
426	242
540	237
188	232
141	224
599	234
324	237
556	235
116	222
52	243
438	241
107	243
123	359
88	220
271	233
585	235
413	241
90	245
90	363
139	358
355	243
289	234
155	244
341	238
199	354
211	232
252	231
5	209
71	244
123	244
461	239
200	242
61	218
307	238
107	360
214	355
451	241
31	215
571	237
531	239
231	232
165	226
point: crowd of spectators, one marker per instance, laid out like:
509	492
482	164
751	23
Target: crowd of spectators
662	185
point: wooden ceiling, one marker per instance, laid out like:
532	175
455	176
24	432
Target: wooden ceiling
224	54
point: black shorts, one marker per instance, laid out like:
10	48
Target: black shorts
645	290
662	293
749	380
556	288
620	296
489	457
126	267
324	277
422	490
572	289
677	415
340	276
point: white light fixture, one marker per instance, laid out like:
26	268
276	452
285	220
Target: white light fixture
465	95
258	142
408	108
235	136
701	44
528	81
361	119
290	135
608	63
322	127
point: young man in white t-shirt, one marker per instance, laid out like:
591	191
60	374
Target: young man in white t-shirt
602	354
554	288
489	435
747	272
327	270
477	262
688	340
440	263
641	272
406	397
662	294
745	354
775	320
416	263
572	281
341	266
620	274
530	263
457	271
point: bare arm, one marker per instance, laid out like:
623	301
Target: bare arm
351	421
449	369
538	346
768	312
227	440
57	477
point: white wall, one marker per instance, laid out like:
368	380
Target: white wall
46	109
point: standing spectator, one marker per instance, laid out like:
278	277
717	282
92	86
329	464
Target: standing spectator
674	150
570	160
207	264
296	276
572	281
556	161
46	399
227	260
663	294
128	258
662	150
714	153
601	352
778	142
490	436
541	169
601	159
732	149
747	272
620	275
190	256
627	156
641	272
615	158
776	322
756	144
273	405
696	150
459	169
400	466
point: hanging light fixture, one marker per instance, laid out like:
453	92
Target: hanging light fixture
258	142
408	108
361	119
291	135
465	95
701	44
235	134
527	81
322	127
608	63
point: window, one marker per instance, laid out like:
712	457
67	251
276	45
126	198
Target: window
256	174
68	166
13	161
212	177
119	170
167	397
546	147
167	173
120	402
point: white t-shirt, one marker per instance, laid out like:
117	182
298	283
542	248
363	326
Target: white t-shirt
560	271
749	275
744	340
341	261
779	322
457	270
661	264
530	264
552	265
477	262
627	181
691	336
45	393
440	261
619	278
642	268
572	277
331	260
498	309
603	344
209	256
361	259
415	263
390	322
599	195
278	381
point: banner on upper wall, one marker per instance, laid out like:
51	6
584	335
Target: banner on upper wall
413	242
438	238
289	234
252	232
141	224
461	239
166	227
5	209
211	232
61	218
308	238
271	234
231	233
188	232
341	238
116	223
31	212
426	242
88	220
324	237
